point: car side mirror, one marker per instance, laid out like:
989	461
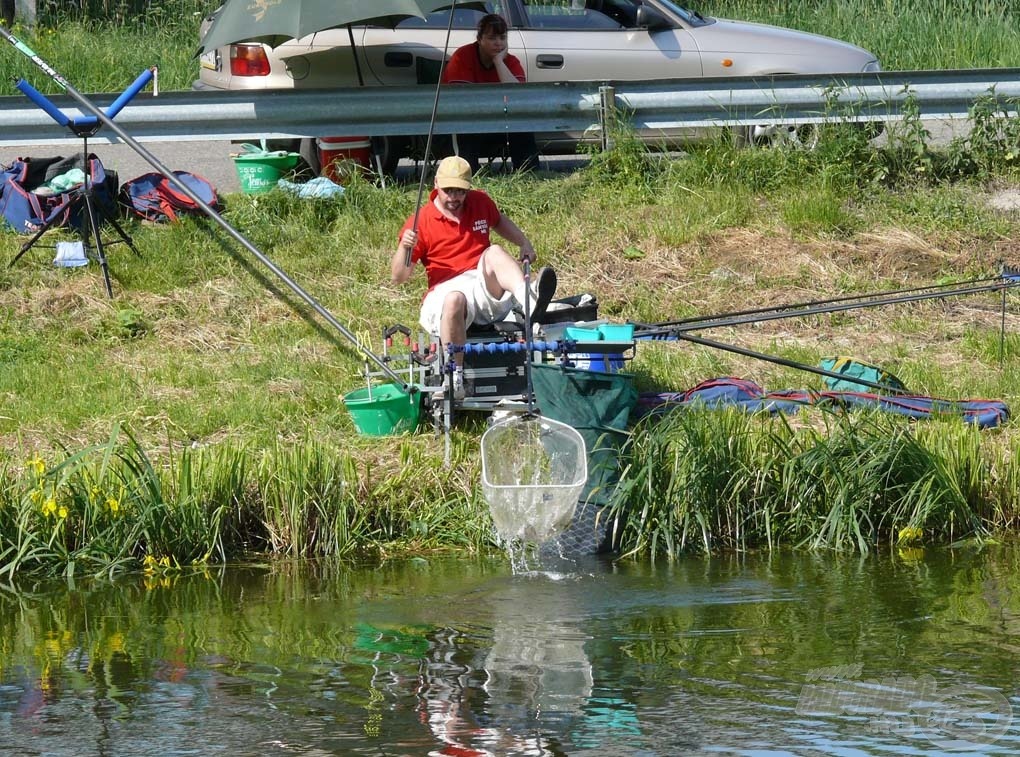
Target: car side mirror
652	20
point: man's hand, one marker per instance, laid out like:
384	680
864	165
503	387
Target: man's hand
401	264
528	253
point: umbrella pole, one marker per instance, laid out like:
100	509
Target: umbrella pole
354	54
209	211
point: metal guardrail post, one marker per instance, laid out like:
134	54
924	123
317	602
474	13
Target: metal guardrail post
607	115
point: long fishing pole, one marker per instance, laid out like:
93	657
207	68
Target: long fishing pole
810	303
765	314
206	208
785	362
432	126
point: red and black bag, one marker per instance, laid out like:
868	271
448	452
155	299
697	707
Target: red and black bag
153	197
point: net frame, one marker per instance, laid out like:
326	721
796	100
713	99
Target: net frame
524	507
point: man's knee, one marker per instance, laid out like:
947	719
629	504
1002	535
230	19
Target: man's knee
493	252
455	305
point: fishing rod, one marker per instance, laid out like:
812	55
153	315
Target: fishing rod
835	305
809	303
432	127
25	50
785	362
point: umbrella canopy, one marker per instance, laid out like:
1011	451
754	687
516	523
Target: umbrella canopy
276	21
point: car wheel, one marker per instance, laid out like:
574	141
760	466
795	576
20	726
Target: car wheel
308	149
785	135
389	151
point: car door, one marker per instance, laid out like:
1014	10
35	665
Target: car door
393	55
583	40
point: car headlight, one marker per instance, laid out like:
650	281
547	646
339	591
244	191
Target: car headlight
872	68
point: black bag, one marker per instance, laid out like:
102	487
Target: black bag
26	211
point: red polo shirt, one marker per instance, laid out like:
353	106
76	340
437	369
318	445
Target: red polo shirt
446	247
465	67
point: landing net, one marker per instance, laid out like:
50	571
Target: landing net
533	471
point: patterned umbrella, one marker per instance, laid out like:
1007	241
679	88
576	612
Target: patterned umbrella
276	21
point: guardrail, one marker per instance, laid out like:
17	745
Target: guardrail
563	107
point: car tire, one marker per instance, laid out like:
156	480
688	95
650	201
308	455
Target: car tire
784	135
389	151
308	149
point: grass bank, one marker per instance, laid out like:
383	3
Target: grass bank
196	416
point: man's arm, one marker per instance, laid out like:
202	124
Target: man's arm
399	270
512	233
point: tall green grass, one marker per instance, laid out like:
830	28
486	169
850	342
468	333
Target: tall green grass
693	481
904	34
110	508
705	480
105	51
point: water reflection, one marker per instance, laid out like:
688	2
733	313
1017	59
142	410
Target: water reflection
461	657
526	687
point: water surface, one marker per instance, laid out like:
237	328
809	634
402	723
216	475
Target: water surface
910	652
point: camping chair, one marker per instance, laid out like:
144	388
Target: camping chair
427	71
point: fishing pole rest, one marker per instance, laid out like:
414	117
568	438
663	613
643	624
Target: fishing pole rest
494	367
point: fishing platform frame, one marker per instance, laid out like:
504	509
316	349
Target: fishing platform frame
494	364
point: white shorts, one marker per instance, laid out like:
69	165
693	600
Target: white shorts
482	307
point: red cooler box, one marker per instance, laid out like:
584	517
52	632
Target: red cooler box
340	156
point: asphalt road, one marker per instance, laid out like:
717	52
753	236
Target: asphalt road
208	159
212	159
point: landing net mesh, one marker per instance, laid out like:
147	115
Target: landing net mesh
533	471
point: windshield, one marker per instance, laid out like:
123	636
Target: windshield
690	17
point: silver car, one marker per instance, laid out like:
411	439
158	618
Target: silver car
556	40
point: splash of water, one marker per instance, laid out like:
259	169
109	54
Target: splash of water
529	559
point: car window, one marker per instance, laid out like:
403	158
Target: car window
465	16
581	14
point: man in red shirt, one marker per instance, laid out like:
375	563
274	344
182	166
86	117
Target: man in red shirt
470	279
486	61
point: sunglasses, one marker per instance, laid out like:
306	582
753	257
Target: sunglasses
454	191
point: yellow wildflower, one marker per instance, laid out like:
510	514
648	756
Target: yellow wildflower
62	512
37	465
909	534
49	507
113	505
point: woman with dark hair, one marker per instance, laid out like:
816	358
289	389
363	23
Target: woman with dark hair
487	61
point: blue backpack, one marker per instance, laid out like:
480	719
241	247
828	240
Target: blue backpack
26	210
153	197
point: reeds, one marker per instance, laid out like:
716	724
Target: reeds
110	508
700	480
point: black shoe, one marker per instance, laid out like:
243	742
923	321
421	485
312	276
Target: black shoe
545	288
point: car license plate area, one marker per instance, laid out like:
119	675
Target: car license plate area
210	60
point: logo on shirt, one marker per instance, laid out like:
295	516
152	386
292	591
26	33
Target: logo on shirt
481	225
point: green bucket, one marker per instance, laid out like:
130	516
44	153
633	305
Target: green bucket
384	409
259	172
